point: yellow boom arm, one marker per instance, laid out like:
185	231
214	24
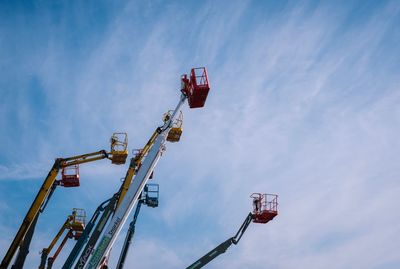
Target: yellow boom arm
135	162
47	250
44	192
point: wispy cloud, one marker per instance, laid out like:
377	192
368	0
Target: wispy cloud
304	103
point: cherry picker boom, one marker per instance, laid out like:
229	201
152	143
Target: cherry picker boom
117	155
265	208
221	248
74	224
149	199
109	210
83	238
195	90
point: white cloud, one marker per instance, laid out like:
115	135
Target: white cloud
303	104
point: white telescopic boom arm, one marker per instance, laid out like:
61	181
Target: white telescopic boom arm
131	197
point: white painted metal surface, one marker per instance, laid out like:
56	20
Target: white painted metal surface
138	182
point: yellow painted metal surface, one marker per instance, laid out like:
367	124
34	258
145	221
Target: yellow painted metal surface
41	196
119	157
73	222
32	212
135	162
174	135
119	151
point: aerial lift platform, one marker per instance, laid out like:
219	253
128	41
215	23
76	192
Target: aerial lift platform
194	89
265	209
104	212
74	224
101	216
69	178
149	197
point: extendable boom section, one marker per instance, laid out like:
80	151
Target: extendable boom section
193	88
265	208
47	250
75	223
44	193
148	198
91	243
51	260
85	235
126	205
221	248
129	236
114	203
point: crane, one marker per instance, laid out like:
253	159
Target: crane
74	224
194	89
265	208
149	197
135	164
22	239
107	207
51	260
109	210
85	235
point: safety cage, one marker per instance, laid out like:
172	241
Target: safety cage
265	207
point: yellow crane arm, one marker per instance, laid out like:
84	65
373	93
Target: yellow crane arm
43	193
32	212
85	158
135	162
46	251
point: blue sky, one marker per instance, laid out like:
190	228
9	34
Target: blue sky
304	103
